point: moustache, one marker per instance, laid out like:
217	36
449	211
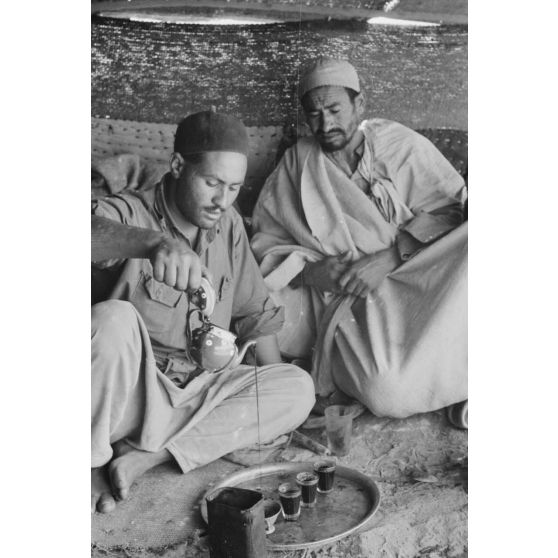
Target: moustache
330	132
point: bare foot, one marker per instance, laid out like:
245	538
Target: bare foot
102	499
128	464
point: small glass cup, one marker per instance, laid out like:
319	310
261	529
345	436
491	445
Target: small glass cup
271	512
325	469
308	483
339	427
289	495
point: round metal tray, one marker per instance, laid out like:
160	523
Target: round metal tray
344	511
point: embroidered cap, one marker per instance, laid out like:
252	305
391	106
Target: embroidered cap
329	71
210	131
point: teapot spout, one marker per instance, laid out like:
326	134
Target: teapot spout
241	353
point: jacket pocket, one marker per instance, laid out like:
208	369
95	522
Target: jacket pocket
162	293
160	306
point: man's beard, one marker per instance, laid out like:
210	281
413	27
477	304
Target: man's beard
341	140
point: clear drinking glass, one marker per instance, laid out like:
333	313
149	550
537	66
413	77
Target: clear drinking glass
339	427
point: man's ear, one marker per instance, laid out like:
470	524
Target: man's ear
360	103
176	165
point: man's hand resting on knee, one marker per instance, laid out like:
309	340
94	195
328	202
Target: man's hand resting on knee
325	274
340	274
365	275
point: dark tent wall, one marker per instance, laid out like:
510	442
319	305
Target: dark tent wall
158	72
147	76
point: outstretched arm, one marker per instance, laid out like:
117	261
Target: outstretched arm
173	261
113	240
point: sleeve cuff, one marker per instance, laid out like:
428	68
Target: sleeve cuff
408	246
260	324
426	228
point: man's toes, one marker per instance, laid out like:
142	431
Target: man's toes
123	493
101	497
118	480
106	503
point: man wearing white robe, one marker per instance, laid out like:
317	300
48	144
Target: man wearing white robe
359	233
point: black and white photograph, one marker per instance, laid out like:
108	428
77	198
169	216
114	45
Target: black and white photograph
257	327
279	240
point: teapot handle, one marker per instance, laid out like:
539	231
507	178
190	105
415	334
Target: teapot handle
189	324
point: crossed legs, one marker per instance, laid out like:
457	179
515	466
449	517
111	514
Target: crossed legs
125	387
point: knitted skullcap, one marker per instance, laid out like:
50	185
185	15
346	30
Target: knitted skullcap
329	71
210	131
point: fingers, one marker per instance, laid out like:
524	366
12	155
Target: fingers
207	274
195	276
346	278
171	273
363	291
353	286
159	269
360	291
182	276
346	257
177	265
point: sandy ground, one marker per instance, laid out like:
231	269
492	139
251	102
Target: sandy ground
420	465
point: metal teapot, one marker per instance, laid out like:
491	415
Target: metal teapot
212	347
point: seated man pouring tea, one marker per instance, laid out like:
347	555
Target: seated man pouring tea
150	402
359	233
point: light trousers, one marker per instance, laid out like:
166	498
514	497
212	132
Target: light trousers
212	416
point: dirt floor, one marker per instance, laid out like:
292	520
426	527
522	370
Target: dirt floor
419	464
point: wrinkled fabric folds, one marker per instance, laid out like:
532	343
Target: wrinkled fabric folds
213	415
402	350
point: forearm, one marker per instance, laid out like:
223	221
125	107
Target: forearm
267	350
366	274
113	240
324	274
382	263
305	277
